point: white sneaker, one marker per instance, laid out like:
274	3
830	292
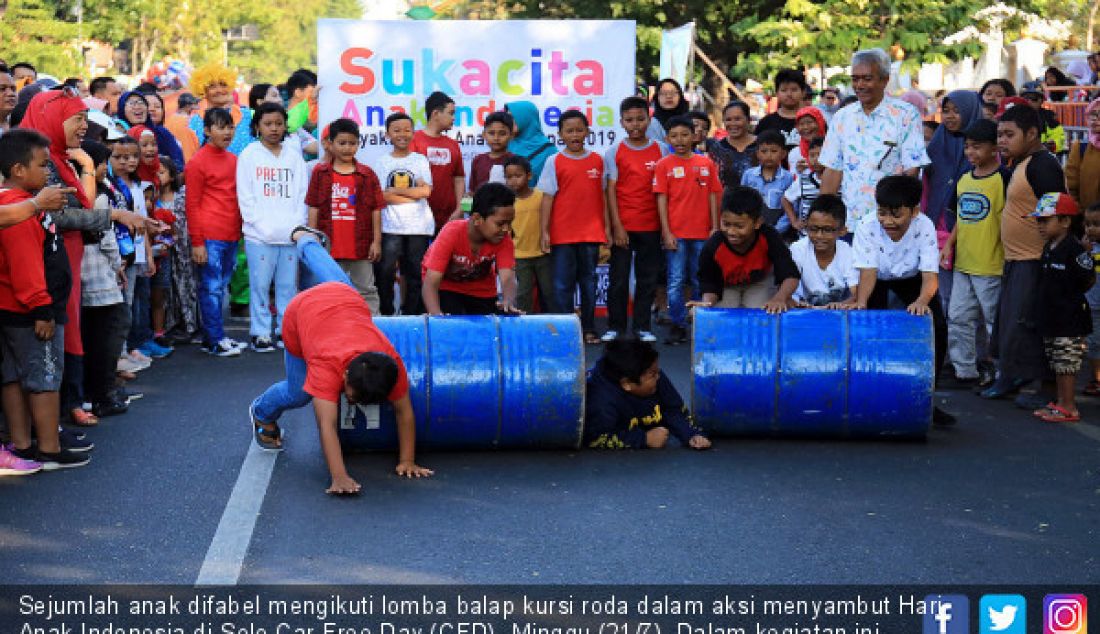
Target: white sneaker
140	358
240	345
223	348
125	364
647	336
609	336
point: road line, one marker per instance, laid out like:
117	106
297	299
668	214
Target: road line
1086	430
225	557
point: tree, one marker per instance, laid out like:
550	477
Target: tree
35	31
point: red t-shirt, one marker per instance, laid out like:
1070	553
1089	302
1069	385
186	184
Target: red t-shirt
633	175
481	169
343	216
577	187
688	184
445	157
463	272
329	325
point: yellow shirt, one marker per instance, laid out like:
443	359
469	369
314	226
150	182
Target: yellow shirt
526	230
981	201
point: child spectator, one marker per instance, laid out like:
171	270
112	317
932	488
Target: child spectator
630	403
271	189
104	314
181	320
1016	344
739	262
461	267
407	221
929	127
574	219
214	220
445	157
687	189
790	90
896	252
35	282
810	124
147	175
1092	236
635	223
488	167
804	189
1062	313
533	267
345	202
770	179
989	110
978	252
701	124
826	265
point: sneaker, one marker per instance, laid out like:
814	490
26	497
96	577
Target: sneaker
154	350
126	364
647	336
316	233
279	342
110	407
123	393
69	442
609	336
239	345
139	357
61	460
676	336
13	465
262	344
223	348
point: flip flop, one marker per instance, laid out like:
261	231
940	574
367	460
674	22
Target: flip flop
266	437
1046	409
1058	414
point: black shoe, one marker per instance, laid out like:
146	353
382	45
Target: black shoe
238	311
676	336
986	378
61	460
317	233
1001	389
941	418
110	407
127	395
69	442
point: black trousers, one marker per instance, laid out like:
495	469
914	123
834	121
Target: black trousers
452	303
645	255
908	290
104	330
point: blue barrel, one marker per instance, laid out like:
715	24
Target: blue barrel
482	382
812	373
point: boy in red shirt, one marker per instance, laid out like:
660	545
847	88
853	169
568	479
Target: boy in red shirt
333	348
489	166
445	157
574	219
35	281
214	223
461	266
635	224
687	189
345	203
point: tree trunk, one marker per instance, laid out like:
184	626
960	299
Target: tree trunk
1092	25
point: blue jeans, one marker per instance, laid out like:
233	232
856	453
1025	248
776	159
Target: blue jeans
221	256
268	263
683	267
575	265
141	328
316	267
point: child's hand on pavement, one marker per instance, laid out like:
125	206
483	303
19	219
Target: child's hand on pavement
343	485
413	470
656	438
699	441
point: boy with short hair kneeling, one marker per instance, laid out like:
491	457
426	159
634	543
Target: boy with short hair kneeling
736	262
896	250
825	263
632	404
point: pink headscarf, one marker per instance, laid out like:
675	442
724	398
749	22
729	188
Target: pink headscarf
1094	138
919	101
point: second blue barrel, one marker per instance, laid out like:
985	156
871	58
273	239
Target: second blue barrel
812	373
482	382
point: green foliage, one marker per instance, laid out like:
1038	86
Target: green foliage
35	31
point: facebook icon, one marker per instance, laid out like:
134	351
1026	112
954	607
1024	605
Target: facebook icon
946	614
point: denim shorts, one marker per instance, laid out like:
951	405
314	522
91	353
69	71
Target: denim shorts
163	277
35	364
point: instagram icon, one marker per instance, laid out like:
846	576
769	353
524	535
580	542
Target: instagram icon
1065	614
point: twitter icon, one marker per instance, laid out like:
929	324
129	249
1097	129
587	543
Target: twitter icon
1002	614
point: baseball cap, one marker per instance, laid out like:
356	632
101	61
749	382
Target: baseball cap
114	133
1055	204
187	99
1011	102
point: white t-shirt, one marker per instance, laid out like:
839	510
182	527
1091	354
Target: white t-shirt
820	287
802	193
137	190
413	218
916	252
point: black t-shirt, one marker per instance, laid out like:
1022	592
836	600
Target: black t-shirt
1066	272
1044	174
776	121
720	266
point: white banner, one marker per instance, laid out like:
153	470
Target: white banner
370	69
676	52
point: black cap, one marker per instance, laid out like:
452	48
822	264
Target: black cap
187	99
983	131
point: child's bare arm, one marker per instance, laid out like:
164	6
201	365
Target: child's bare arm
311	217
929	284
788	209
508	291
544	220
416	192
328	413
781	301
430	292
867	279
406	440
667	238
713	200
618	233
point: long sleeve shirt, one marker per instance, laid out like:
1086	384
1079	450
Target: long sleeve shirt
616	419
212	210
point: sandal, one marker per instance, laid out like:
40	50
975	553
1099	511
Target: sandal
81	418
1058	414
1092	389
268	435
591	339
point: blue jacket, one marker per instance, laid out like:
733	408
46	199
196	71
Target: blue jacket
616	419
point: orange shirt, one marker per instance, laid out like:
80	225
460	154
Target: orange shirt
688	183
576	183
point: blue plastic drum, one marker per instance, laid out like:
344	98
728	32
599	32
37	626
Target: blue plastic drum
812	373
480	383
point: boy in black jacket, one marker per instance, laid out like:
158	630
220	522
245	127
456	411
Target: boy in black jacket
1062	313
631	404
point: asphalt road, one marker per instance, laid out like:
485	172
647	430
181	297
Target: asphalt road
1000	499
